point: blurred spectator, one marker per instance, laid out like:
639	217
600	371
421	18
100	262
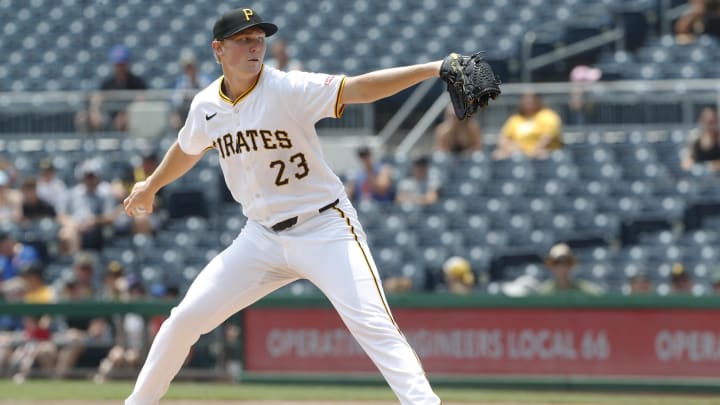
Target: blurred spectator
561	262
87	210
37	345
11	290
11	326
533	131
36	289
640	284
33	207
397	284
83	276
190	79
280	57
455	136
6	166
93	118
680	281
130	338
233	350
80	332
122	78
14	256
374	180
704	145
50	187
520	287
421	188
702	17
579	107
10	201
458	275
108	113
115	283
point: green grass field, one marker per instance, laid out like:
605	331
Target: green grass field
36	392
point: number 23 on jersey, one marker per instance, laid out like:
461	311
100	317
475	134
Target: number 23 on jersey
297	163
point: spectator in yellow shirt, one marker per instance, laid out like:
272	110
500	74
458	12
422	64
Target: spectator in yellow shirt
533	131
37	291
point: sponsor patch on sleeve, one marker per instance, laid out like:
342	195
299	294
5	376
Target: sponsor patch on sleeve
329	80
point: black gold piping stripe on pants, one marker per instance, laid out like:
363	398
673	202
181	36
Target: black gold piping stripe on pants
375	280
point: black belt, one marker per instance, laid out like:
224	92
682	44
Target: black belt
283	225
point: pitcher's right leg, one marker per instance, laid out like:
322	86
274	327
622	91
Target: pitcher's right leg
236	278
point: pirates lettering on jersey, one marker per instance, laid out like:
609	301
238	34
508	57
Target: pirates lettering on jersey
250	141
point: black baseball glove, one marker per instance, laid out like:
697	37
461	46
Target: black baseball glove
470	82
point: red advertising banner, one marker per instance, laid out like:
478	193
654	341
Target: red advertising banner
592	342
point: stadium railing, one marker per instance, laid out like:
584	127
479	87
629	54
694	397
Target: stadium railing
41	113
613	103
617	102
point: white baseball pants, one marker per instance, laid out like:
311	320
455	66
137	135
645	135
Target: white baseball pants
330	250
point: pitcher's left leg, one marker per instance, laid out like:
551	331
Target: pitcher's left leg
345	272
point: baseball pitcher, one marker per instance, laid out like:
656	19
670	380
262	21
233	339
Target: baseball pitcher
261	123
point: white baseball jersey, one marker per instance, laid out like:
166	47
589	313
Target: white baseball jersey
271	160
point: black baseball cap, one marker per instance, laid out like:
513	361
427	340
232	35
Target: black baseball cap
238	20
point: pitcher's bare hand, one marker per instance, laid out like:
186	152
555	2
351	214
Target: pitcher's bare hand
140	200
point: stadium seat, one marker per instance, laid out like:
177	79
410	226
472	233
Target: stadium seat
434	256
700	237
388	260
184	203
602	182
502	189
668	208
139	23
474	229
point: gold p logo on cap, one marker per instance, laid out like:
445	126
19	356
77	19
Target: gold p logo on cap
248	13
